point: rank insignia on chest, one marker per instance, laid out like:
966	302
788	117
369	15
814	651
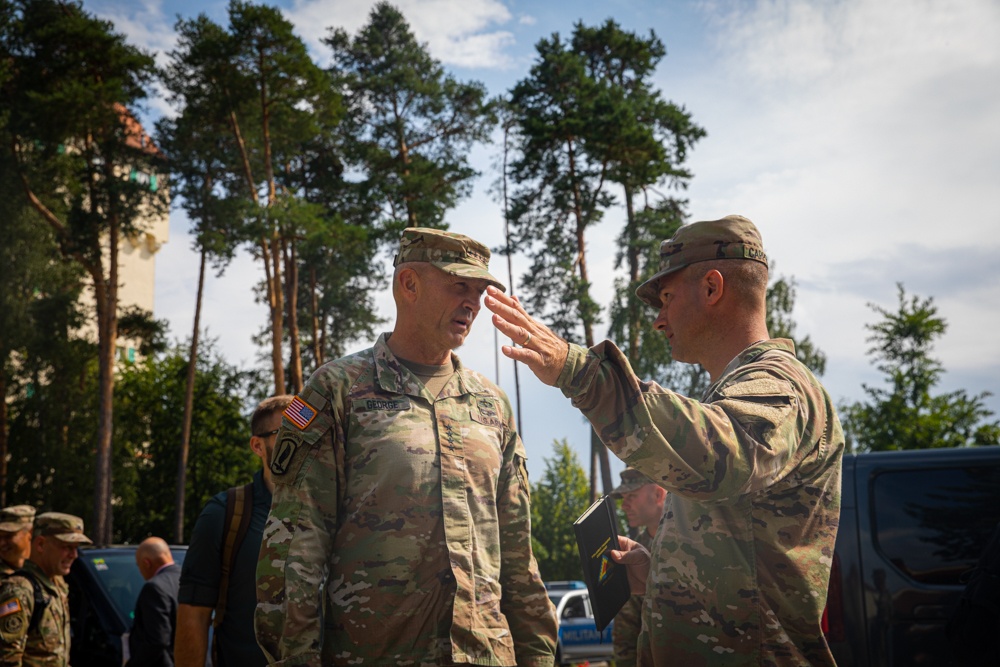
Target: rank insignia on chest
300	413
487	407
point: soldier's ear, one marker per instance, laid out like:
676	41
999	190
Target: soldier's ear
257	445
408	283
712	284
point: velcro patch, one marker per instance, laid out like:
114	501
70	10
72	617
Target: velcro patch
11	606
300	413
284	452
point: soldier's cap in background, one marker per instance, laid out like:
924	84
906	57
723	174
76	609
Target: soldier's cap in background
16	517
632	480
732	237
456	254
65	527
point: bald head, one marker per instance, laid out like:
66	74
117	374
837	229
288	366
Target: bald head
152	554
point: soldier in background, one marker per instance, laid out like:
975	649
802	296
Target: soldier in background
642	503
34	603
400	482
15	537
739	573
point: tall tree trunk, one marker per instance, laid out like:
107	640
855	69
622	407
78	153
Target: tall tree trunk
106	297
510	267
3	434
291	309
598	450
631	235
182	458
275	303
314	312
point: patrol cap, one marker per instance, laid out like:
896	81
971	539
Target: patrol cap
732	237
16	517
453	253
632	480
65	527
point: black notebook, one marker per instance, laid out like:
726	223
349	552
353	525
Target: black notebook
607	581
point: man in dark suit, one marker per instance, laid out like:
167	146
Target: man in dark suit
151	642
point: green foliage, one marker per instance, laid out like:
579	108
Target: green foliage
150	402
410	125
53	410
558	186
557	500
70	87
257	151
650	354
905	415
780	302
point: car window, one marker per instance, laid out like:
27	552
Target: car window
932	525
576	607
119	576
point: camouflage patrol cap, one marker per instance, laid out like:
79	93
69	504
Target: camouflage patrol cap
732	237
65	527
632	480
16	517
453	253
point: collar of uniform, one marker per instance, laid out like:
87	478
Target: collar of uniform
43	579
393	377
749	354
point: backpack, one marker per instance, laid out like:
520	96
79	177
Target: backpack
239	508
974	627
41	601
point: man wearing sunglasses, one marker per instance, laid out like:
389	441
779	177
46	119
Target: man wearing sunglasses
220	579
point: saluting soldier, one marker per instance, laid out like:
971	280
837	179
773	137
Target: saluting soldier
15	537
741	561
34	602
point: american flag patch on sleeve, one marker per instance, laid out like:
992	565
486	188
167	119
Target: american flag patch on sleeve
9	607
300	413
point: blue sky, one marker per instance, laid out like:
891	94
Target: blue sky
862	137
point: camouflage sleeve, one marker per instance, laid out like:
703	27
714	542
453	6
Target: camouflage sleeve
17	601
741	443
298	536
525	603
625	633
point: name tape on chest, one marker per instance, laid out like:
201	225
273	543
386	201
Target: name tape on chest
381	404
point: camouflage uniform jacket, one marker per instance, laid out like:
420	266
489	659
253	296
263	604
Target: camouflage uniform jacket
741	560
628	621
48	644
415	513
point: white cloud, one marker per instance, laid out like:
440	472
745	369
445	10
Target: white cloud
861	136
460	33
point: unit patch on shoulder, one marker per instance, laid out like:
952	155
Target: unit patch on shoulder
283	454
300	413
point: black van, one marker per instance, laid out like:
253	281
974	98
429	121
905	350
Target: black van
104	584
912	524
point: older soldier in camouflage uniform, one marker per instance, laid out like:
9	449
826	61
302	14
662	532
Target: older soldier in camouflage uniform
642	503
400	529
741	563
34	607
15	537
